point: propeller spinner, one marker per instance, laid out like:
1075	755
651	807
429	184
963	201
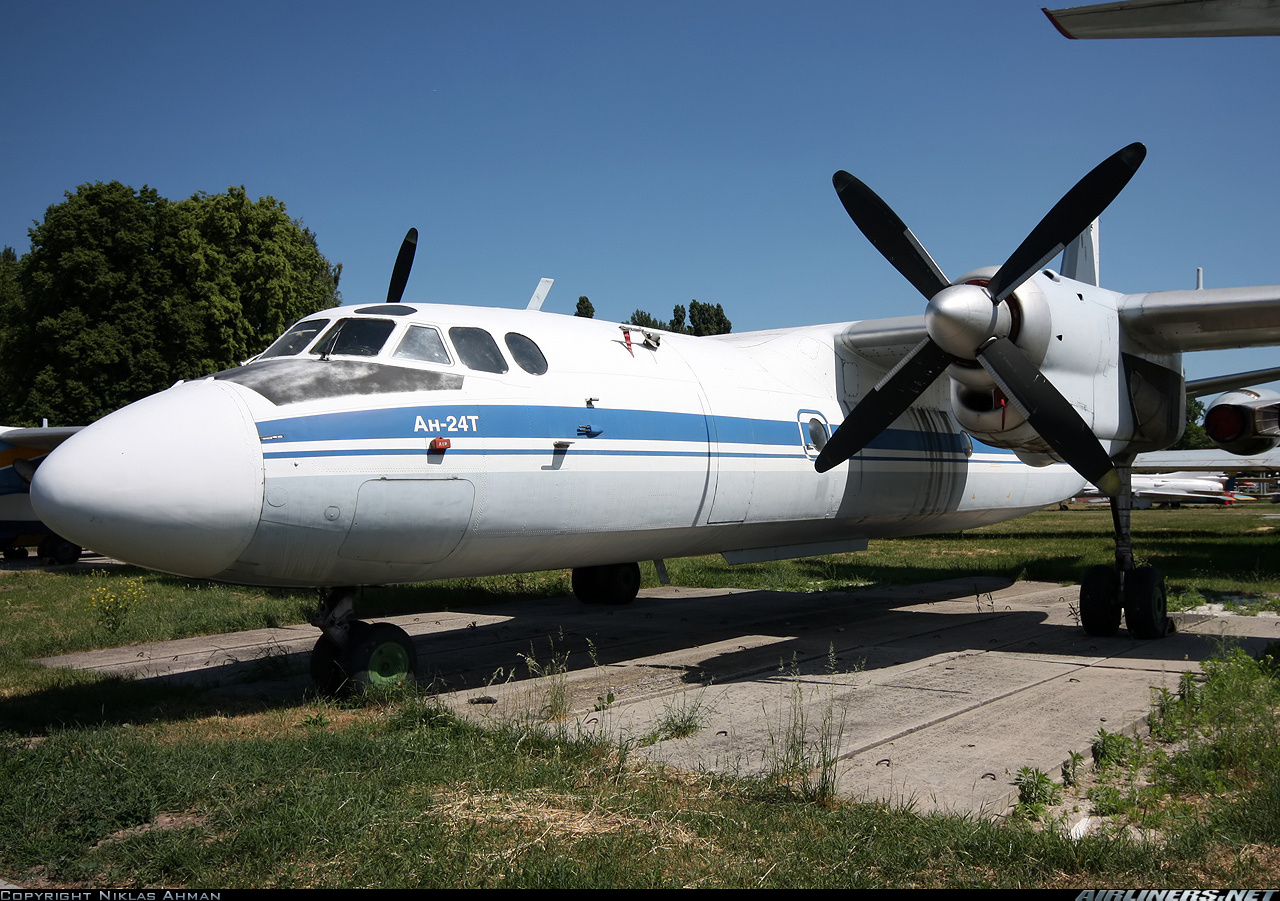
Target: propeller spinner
971	322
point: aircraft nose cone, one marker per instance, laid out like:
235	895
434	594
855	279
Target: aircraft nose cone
172	482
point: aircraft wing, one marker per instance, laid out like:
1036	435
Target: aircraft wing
1168	19
1204	461
1203	319
21	450
45	438
1167	496
1161	321
883	342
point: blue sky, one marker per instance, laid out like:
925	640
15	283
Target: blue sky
648	154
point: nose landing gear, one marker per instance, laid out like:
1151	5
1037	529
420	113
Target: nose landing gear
352	652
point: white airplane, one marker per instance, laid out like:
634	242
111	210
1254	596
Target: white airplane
21	451
1175	488
398	442
1168	19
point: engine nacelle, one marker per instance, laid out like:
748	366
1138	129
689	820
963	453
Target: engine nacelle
1070	332
1244	422
977	403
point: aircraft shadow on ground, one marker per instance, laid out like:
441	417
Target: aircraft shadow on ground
766	632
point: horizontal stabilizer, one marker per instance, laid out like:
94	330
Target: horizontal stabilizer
1220	383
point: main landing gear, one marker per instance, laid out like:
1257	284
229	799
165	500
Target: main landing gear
352	652
56	550
1137	590
614	583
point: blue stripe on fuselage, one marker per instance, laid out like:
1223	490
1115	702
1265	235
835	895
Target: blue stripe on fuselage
542	422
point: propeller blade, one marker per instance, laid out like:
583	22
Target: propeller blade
884	403
1049	413
889	235
404	263
1069	217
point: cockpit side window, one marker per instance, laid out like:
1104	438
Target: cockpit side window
293	341
355	337
526	353
477	349
421	342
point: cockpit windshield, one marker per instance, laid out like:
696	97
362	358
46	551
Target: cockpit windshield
295	340
422	342
355	338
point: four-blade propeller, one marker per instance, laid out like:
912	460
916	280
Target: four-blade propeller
966	322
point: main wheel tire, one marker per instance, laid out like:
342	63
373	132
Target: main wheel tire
380	655
1145	603
614	583
1100	601
586	584
66	553
54	549
620	583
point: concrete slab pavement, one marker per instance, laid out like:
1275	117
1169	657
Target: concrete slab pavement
930	694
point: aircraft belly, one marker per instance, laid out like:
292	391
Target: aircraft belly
984	490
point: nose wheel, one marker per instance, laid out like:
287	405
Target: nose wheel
352	652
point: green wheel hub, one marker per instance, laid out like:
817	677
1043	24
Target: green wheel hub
389	664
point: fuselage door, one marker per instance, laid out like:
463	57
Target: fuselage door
733	441
408	520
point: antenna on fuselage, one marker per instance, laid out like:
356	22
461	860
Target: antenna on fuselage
540	294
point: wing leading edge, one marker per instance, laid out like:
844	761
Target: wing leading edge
1168	19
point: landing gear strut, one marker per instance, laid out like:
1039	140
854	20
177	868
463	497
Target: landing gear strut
352	652
1138	590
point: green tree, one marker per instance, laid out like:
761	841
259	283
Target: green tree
585	309
9	269
677	320
703	319
124	292
1195	437
645	320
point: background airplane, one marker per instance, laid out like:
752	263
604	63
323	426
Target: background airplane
21	451
398	442
1175	488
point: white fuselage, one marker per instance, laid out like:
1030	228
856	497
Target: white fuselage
314	468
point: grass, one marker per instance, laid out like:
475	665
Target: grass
400	793
111	783
681	717
1208	554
